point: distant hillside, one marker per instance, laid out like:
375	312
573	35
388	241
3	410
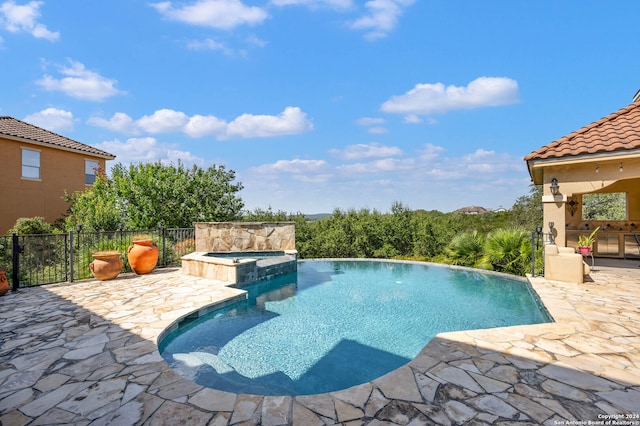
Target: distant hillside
317	216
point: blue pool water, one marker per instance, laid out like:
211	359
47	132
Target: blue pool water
337	324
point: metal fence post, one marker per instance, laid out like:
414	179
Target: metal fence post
164	252
533	253
16	249
71	256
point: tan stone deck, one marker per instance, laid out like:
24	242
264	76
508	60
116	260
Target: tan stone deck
85	353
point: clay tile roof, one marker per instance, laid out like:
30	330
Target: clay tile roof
12	128
619	131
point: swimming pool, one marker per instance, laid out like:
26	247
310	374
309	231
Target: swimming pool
337	324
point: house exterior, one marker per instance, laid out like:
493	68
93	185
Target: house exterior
602	157
475	210
36	168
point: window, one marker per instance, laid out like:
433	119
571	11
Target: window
606	206
90	170
30	164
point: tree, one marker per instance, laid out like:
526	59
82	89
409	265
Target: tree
261	215
527	212
606	206
96	208
143	195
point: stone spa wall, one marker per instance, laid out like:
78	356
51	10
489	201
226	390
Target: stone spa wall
250	238
244	236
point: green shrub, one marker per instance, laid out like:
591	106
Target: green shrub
31	225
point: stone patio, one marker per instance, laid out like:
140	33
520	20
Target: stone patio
85	353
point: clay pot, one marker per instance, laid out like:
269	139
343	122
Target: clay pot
584	249
4	283
106	265
143	256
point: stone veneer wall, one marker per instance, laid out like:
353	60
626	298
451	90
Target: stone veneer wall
245	236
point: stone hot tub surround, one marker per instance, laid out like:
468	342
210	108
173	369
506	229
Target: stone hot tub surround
239	246
239	270
244	236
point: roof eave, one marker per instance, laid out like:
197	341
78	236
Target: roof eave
106	155
536	166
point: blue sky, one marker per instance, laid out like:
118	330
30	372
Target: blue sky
323	104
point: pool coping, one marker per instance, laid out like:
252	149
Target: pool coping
540	373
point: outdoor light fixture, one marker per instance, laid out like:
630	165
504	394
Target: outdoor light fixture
597	168
555	188
621	168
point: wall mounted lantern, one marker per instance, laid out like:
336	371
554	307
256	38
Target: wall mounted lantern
555	188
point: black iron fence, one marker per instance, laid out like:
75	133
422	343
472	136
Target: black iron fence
32	260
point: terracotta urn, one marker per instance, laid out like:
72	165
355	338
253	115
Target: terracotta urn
4	283
106	265
143	256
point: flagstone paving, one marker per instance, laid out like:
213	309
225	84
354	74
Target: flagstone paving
85	353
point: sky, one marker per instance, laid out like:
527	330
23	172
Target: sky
324	104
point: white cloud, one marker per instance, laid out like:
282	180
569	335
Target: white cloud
220	14
80	83
133	150
490	162
120	122
382	17
23	19
290	122
426	178
295	166
374	125
385	165
143	150
254	40
377	130
430	152
370	121
52	119
362	151
209	44
432	98
314	4
199	126
163	121
412	119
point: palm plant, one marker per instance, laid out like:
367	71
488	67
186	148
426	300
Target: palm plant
507	250
466	249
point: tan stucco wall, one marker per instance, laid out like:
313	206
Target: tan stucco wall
59	170
576	179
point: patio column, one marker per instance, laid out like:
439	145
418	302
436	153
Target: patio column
554	207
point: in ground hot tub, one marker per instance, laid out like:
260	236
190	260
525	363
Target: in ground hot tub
240	268
242	252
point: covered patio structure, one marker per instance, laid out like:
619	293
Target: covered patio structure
602	157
